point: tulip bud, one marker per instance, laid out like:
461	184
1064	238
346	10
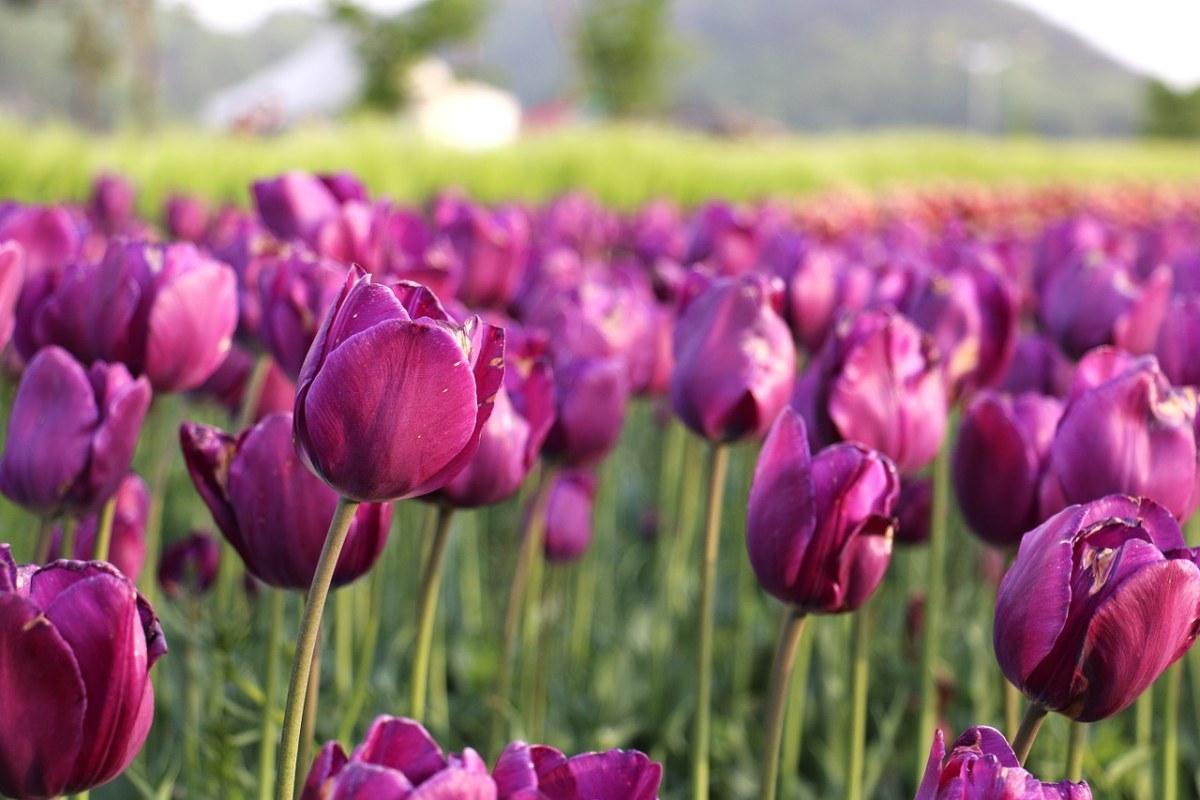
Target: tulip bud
294	205
391	405
71	434
493	247
295	292
1178	346
877	381
1101	599
272	510
1037	366
591	397
982	766
186	218
1131	433
735	362
568	516
913	508
127	550
189	565
12	278
819	529
112	203
77	642
50	237
999	461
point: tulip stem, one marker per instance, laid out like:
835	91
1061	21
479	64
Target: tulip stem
45	537
308	722
935	590
1076	745
719	461
366	656
70	530
1143	733
306	643
1172	685
266	762
793	731
1022	743
104	531
859	662
431	582
253	392
790	632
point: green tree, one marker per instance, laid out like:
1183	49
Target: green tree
623	49
1171	114
390	46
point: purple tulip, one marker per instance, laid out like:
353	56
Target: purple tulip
71	434
1178	345
12	278
295	292
735	362
1000	461
819	529
345	186
189	565
390	404
913	507
186	218
127	549
294	205
513	436
112	204
76	649
272	510
591	398
982	766
1130	434
568	516
399	760
1101	599
167	312
50	236
1037	366
493	246
227	386
878	382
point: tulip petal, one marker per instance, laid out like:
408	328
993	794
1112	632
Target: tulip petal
208	453
389	409
629	775
327	766
464	778
933	768
401	744
191	323
363	781
514	770
864	561
42	694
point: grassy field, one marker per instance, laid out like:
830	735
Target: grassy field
623	166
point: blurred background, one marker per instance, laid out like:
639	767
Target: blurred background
478	73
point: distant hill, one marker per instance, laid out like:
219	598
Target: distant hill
815	65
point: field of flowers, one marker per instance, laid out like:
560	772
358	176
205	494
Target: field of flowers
601	453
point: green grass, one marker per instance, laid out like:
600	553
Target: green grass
623	166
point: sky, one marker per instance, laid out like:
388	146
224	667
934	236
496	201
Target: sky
1156	37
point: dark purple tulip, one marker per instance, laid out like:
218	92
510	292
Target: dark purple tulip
1178	345
112	203
568	517
76	648
1131	434
12	278
71	434
725	236
127	550
999	462
345	186
398	759
735	362
167	312
295	292
512	437
1037	366
819	529
50	237
390	404
186	218
982	766
913	508
189	565
493	246
877	381
294	205
812	274
1101	599
272	510
591	397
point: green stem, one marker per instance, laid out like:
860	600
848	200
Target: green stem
1143	735
860	648
685	534
266	761
1076	745
343	643
70	530
192	728
45	538
933	602
104	531
1012	707
366	657
306	645
531	547
790	633
308	722
793	731
719	461
164	443
253	392
1170	749
1022	743
431	582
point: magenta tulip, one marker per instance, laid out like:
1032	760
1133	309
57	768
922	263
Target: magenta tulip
591	398
76	649
71	434
12	278
272	510
390	404
1101	599
189	565
982	766
295	292
568	516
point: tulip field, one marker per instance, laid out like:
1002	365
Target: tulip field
628	467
